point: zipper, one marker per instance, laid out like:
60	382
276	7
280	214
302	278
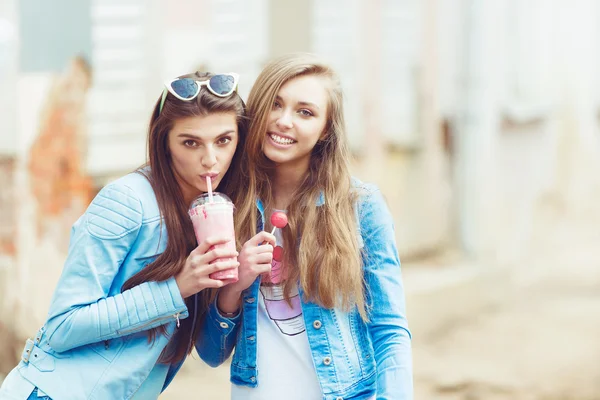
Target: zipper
176	316
138	328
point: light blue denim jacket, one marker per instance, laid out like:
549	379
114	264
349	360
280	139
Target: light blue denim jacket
382	362
94	345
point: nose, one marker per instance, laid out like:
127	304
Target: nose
284	120
209	158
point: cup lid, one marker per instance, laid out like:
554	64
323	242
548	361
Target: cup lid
204	199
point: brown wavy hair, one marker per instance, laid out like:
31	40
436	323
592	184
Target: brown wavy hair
180	233
328	262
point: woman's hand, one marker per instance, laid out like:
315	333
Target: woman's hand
255	259
194	276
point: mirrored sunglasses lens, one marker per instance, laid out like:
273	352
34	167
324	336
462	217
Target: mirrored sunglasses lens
185	87
222	84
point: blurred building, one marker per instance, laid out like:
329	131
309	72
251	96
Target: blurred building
467	113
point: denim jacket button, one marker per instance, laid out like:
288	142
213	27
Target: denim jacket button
317	324
327	360
339	398
224	325
253	379
250	300
251	338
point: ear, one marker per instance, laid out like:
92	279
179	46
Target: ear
324	134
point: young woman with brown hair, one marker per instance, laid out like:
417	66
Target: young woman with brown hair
135	289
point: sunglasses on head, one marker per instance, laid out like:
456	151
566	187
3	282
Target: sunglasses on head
187	89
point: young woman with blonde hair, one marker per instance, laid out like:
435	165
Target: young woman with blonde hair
326	320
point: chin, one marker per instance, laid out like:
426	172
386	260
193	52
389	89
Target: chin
203	187
275	156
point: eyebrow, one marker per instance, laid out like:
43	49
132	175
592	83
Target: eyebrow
194	137
302	103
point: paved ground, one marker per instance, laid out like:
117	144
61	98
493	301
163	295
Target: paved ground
543	342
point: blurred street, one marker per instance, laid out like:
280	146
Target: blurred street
539	343
478	120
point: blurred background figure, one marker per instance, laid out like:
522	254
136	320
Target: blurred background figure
478	119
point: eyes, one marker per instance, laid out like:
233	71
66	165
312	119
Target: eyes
222	141
190	143
305	112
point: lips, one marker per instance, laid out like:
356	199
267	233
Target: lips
280	139
211	175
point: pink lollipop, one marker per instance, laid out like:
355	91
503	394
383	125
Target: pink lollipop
278	220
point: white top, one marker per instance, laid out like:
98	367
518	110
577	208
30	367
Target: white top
284	362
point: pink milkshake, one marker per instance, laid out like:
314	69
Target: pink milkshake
211	217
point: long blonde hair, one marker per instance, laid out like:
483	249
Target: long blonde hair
328	261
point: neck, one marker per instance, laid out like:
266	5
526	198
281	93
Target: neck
286	180
189	193
188	196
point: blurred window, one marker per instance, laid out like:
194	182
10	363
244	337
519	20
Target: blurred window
52	32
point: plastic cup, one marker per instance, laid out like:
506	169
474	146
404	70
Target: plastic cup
212	218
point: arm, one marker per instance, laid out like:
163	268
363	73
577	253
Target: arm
218	334
388	326
81	311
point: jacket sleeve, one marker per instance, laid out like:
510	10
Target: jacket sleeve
388	327
217	336
81	311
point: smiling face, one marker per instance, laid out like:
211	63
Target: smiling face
297	121
200	147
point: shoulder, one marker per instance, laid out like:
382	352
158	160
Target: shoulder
138	182
121	207
365	192
371	207
137	185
